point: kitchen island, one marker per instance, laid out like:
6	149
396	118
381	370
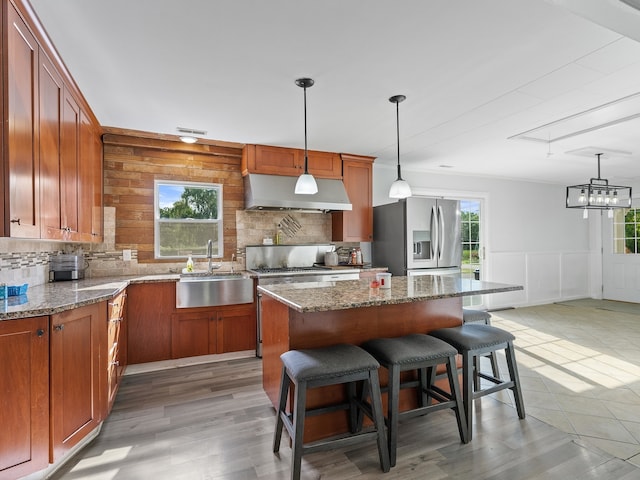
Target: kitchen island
316	314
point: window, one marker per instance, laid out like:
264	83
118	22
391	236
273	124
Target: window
626	231
470	218
187	216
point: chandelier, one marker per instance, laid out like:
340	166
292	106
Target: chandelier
598	194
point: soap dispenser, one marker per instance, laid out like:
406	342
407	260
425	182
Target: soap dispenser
190	264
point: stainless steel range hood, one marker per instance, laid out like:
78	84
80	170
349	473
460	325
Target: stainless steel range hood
275	192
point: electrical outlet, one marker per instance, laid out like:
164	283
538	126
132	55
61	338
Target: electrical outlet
126	255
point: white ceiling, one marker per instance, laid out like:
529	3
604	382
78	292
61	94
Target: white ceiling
474	72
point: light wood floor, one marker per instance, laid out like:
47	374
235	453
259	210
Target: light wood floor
213	421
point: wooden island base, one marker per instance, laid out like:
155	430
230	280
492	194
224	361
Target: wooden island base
284	328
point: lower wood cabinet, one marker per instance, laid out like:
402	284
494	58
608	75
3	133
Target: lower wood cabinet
24	396
116	360
149	310
205	331
78	380
157	330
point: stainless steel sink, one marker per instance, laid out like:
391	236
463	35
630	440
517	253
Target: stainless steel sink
212	290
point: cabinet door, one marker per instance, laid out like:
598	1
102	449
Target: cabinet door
51	99
274	160
355	225
22	149
149	310
77	343
85	174
236	328
24	383
69	210
322	164
193	333
116	346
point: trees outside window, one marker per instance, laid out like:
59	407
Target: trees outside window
626	231
187	216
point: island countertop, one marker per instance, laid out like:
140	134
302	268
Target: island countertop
327	296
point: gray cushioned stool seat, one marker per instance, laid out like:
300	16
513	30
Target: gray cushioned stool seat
423	354
332	365
470	315
481	316
472	340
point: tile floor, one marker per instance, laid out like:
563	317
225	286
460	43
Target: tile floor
580	370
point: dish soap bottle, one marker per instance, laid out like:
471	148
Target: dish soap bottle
190	264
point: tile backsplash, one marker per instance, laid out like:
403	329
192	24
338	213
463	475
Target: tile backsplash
27	261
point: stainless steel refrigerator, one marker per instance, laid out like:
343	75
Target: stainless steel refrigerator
418	236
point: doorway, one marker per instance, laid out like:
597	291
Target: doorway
621	254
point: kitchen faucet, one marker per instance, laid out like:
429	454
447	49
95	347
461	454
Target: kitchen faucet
233	259
210	255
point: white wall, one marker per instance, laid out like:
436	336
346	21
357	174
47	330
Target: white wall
531	238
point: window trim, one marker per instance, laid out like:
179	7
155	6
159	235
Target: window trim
157	220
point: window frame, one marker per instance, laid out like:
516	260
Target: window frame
157	221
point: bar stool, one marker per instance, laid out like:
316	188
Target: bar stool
472	340
319	367
422	353
482	316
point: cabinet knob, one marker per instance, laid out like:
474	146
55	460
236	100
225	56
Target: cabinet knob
40	332
58	328
15	220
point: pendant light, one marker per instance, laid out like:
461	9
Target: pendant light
306	184
399	188
598	194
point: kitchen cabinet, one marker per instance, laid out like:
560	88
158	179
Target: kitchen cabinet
271	160
21	151
46	144
116	361
355	225
90	183
24	396
209	330
149	310
78	381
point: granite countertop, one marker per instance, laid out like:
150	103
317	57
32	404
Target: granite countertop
324	296
51	298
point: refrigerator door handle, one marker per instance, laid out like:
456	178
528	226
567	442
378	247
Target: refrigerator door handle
441	231
435	234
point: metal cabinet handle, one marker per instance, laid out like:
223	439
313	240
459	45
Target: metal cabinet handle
58	328
16	220
40	332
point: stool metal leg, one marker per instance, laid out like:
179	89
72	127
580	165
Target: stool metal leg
282	403
513	373
454	388
468	374
393	411
300	400
378	419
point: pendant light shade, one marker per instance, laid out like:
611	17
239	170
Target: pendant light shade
306	184
400	188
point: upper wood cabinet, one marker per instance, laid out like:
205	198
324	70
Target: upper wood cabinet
53	152
355	225
24	383
289	161
22	152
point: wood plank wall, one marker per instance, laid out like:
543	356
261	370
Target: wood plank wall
132	163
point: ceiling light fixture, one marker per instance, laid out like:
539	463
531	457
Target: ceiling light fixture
598	195
306	184
399	188
188	135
